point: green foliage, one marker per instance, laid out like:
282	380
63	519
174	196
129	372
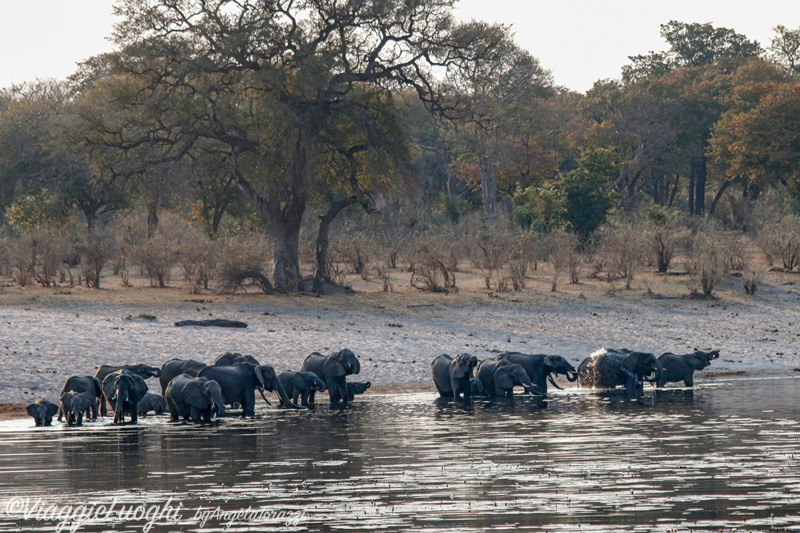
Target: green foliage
577	201
40	210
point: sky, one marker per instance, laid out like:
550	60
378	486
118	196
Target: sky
579	41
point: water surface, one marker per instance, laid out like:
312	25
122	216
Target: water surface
723	456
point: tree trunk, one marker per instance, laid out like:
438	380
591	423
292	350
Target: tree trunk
674	191
323	236
698	174
488	188
717	197
691	190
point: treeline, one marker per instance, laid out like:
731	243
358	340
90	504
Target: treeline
306	123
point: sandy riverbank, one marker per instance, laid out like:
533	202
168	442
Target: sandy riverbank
47	335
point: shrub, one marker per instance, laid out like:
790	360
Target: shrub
198	259
96	249
621	251
430	271
561	246
706	260
489	252
241	259
781	239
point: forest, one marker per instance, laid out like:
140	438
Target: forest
285	145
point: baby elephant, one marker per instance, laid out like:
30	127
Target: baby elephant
356	387
301	385
452	376
682	367
152	402
74	404
42	412
500	376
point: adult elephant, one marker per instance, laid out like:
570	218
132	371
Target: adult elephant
234	358
176	367
607	369
453	377
682	367
196	399
239	382
301	384
124	390
333	369
43	412
82	384
140	369
499	377
540	369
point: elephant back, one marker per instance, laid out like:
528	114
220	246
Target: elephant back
234	358
440	371
315	362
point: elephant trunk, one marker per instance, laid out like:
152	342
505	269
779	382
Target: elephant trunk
658	371
552	381
122	397
219	408
277	387
572	377
356	367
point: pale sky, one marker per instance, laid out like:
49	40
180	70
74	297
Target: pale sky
580	41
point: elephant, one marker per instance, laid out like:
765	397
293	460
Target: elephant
333	370
239	381
682	367
194	398
74	404
42	412
124	390
476	388
607	369
500	376
301	384
452	377
145	371
356	387
152	402
81	384
540	369
233	358
175	367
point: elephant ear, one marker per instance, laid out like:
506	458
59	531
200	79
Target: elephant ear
33	410
194	395
632	361
299	381
551	361
502	378
333	367
139	389
259	376
51	409
460	366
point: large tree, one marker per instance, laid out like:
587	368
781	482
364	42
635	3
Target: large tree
283	87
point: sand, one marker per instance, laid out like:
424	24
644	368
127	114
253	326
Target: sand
47	335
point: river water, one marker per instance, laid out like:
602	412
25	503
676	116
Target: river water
724	456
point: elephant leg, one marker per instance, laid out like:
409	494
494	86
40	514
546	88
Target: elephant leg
249	404
80	418
60	414
296	394
689	381
134	413
303	399
311	397
194	414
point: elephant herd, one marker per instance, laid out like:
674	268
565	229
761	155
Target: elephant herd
604	369
196	391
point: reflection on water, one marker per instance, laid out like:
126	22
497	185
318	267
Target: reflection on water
724	456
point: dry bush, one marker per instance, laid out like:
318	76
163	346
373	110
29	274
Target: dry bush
198	260
751	280
662	240
489	252
782	240
384	277
96	249
241	259
706	260
38	255
161	252
735	245
429	259
561	247
622	250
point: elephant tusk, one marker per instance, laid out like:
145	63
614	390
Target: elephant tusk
261	390
552	382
